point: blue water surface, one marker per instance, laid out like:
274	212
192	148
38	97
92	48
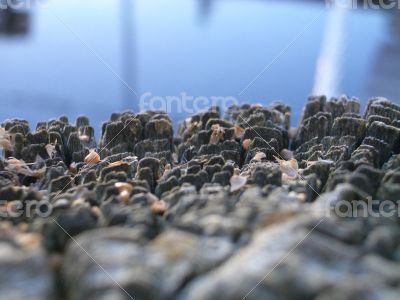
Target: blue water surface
91	57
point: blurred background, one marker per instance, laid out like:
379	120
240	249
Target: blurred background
90	57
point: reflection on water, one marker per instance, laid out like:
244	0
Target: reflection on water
13	22
385	75
76	54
